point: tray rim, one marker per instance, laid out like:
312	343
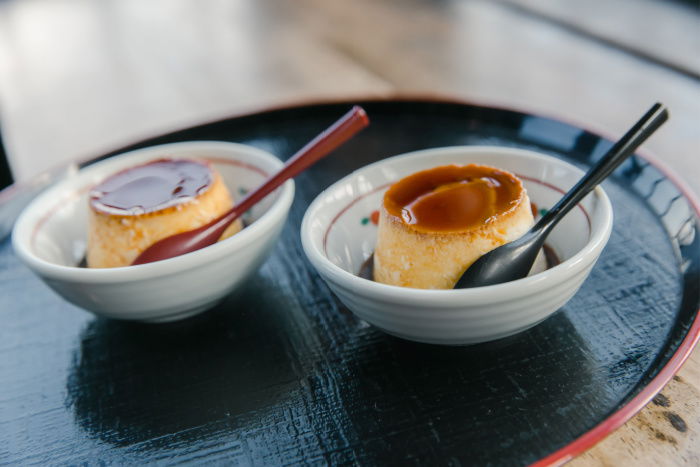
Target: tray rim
588	439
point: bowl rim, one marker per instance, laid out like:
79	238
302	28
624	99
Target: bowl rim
31	215
587	255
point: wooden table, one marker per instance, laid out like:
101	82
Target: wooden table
78	78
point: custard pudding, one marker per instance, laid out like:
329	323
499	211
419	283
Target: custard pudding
139	206
435	223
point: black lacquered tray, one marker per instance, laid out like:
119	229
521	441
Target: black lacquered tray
282	373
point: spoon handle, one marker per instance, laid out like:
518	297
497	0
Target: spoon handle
322	145
636	135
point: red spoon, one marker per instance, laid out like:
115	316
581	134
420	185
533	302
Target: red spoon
192	240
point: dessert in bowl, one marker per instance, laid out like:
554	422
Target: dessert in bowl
339	237
51	235
136	207
435	223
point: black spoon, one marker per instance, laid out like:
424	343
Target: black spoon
515	259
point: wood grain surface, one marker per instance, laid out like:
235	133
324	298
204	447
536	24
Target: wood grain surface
79	77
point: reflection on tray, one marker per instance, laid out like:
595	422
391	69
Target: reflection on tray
211	368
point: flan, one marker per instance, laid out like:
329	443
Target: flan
134	208
435	223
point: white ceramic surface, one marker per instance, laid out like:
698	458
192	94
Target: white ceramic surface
50	237
338	235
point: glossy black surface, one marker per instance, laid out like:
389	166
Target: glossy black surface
281	372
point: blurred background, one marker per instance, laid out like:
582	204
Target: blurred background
82	77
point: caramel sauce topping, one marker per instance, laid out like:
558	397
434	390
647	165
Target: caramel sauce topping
453	198
151	187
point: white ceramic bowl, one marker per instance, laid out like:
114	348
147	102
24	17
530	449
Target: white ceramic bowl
50	238
338	235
